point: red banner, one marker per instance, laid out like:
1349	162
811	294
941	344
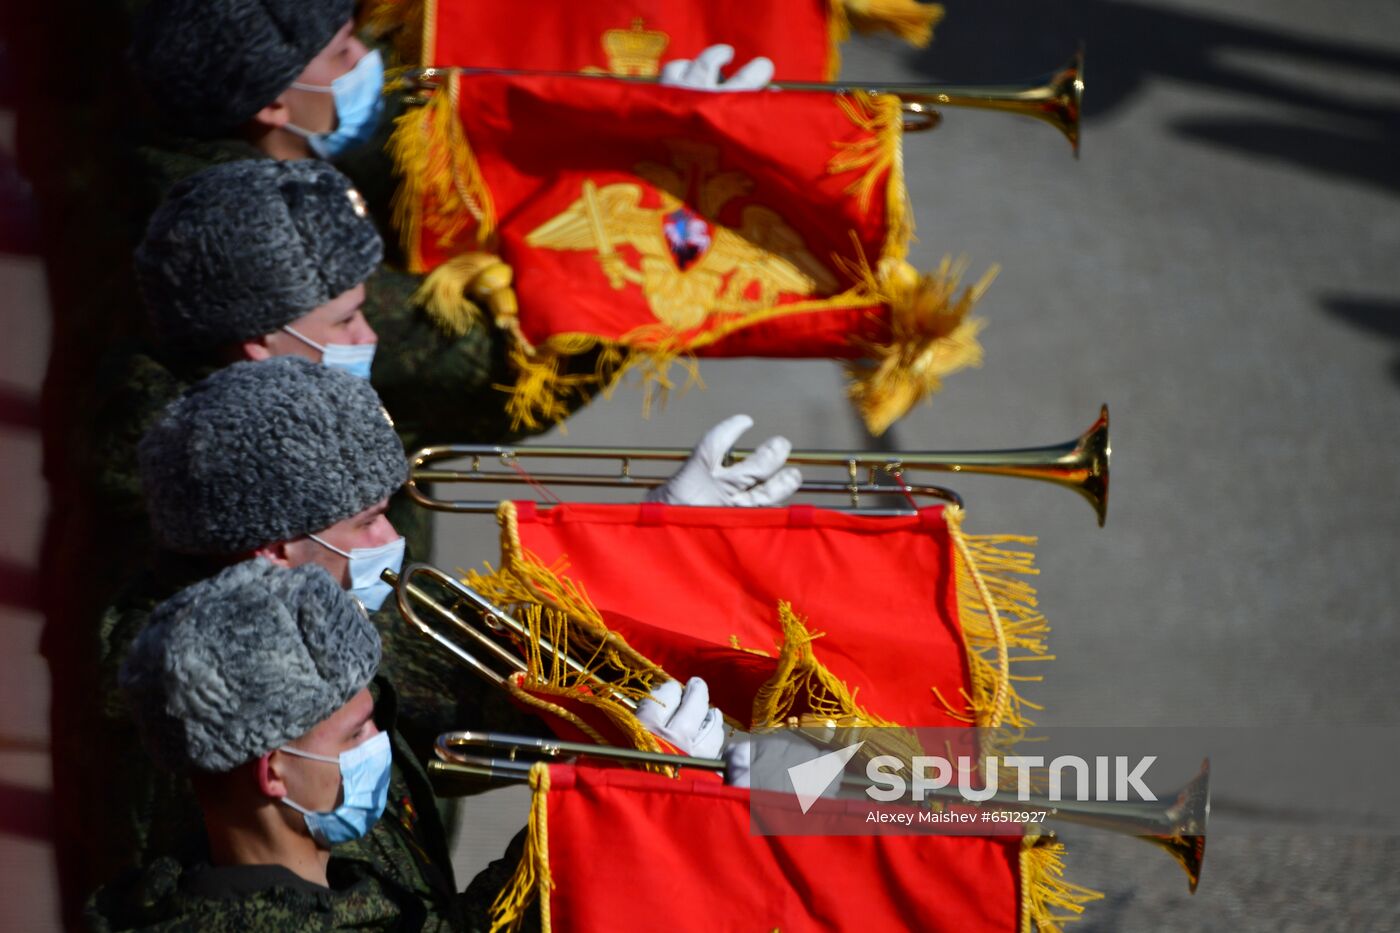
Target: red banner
627	850
648	223
914	622
635	37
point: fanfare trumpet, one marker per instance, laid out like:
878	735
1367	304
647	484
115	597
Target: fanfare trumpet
408	595
1080	464
1055	101
1176	824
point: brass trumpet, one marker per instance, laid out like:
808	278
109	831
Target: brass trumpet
408	594
1080	464
1177	824
1056	101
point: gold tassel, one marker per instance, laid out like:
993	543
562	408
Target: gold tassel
444	292
1048	901
909	20
532	878
548	676
931	336
434	160
542	391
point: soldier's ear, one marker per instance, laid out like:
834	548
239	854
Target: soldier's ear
255	349
270	782
276	552
274	116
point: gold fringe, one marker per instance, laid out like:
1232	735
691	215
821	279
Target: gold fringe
401	23
931	336
838	30
543	392
909	20
532	878
1001	626
524	584
1048	901
435	161
882	116
801	676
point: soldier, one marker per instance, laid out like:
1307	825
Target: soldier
259	685
245	261
294	462
316	815
253	460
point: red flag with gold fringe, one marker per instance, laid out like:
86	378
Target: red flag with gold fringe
893	620
919	625
678	855
648	224
634	37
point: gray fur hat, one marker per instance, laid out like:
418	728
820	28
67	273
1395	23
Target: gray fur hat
267	451
244	247
245	662
210	65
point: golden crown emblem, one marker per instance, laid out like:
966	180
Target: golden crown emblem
635	51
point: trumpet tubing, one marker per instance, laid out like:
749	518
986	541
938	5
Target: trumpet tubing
1056	101
1081	465
408	595
1177	826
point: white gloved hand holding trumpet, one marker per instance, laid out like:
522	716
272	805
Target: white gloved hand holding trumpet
704	479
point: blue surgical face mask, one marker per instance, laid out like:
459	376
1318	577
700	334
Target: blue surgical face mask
364	783
358	100
354	358
366	564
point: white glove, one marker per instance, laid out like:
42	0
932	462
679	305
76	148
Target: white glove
684	718
759	479
738	759
782	749
702	74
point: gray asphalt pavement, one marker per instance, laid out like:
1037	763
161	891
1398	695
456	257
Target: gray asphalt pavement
1221	268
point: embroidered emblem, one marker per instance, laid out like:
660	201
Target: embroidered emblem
636	51
687	265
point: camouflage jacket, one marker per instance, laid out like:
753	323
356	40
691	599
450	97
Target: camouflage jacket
167	896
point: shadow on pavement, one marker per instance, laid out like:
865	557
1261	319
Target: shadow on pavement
1129	46
1378	316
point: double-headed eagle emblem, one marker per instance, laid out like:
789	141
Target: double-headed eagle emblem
690	267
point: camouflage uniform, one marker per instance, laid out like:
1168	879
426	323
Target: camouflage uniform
398	877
